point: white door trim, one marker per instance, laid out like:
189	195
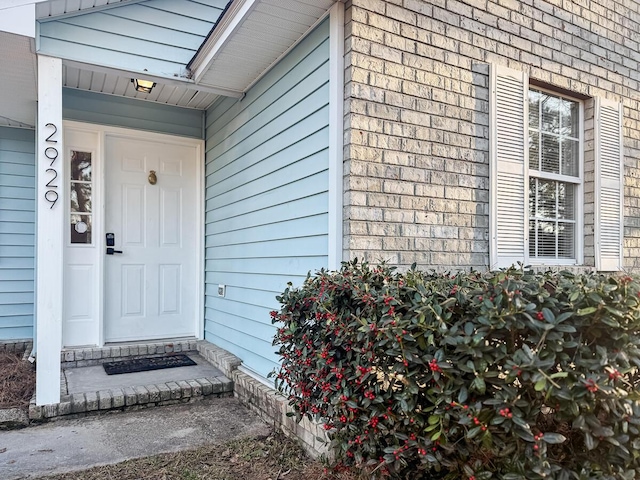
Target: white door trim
104	131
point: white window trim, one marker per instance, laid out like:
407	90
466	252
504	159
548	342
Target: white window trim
579	207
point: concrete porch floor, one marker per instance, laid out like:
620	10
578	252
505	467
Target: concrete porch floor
76	380
86	388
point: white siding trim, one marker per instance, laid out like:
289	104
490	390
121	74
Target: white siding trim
606	262
336	133
50	223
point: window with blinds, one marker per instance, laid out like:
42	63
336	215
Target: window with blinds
537	206
555	143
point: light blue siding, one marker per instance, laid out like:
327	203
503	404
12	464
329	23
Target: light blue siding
131	113
266	211
17	232
157	36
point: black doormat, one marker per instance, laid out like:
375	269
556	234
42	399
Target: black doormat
147	363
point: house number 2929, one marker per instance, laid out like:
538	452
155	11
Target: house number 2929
51	153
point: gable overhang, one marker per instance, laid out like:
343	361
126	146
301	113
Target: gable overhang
18	80
250	37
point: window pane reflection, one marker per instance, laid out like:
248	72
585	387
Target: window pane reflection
81	166
81	229
81	197
80	204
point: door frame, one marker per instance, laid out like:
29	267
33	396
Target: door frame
104	131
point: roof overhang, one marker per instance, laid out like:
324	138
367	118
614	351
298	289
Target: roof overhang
18	80
250	37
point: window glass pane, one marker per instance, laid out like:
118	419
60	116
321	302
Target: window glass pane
570	157
534	150
570	118
554	148
566	240
550	113
546	233
546	199
81	229
550	153
534	109
532	238
566	203
80	197
533	196
550	203
81	166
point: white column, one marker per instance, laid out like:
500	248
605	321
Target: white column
336	132
50	224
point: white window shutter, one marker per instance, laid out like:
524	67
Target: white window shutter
509	214
609	185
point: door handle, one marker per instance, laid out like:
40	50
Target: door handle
111	251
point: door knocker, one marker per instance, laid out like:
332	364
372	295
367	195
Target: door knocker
152	177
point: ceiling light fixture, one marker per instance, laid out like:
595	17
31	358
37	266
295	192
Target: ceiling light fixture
144	86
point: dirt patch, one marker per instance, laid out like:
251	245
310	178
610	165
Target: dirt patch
17	381
275	457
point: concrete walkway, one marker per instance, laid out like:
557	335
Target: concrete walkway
68	445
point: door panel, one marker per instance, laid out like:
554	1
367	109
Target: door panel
150	288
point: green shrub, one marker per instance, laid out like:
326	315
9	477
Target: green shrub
507	375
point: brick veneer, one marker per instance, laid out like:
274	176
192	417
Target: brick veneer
417	119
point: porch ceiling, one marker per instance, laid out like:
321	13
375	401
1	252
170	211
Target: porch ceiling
250	37
18	80
110	82
54	8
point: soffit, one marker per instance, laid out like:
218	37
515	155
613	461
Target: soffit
112	83
266	33
55	8
18	79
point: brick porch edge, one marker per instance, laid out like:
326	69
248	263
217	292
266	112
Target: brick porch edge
266	402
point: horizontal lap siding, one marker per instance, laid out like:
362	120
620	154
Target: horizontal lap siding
17	228
102	109
158	36
266	198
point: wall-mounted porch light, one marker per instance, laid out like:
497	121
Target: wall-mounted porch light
144	86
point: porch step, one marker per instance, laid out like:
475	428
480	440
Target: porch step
87	389
156	395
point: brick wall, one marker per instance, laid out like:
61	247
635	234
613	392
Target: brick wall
417	120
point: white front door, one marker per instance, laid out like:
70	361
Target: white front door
150	289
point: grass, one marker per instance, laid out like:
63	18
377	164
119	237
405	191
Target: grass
275	457
17	381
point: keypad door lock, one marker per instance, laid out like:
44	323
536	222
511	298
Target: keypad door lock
111	242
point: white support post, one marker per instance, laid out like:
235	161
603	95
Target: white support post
50	225
336	133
